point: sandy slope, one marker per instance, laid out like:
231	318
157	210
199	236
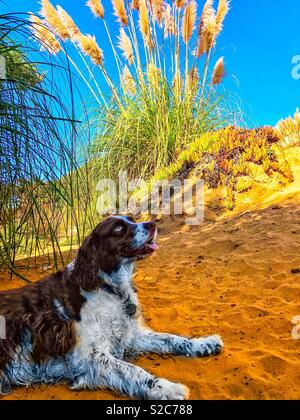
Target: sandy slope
232	276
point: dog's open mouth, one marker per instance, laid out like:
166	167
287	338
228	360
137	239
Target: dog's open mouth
148	248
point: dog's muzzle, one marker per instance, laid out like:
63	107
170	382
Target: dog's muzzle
143	242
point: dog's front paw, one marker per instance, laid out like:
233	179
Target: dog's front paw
208	346
166	390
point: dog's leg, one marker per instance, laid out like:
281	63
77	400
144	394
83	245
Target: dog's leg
128	379
147	341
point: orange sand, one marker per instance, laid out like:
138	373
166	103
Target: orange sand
231	276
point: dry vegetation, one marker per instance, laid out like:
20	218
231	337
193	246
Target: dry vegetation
233	158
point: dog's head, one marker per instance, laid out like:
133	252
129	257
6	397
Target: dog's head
114	241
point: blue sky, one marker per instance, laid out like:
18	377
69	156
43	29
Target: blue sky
259	40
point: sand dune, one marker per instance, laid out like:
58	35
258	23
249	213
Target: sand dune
235	275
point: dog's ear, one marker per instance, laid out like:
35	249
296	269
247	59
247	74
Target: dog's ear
88	263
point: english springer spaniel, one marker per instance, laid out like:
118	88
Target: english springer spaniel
81	324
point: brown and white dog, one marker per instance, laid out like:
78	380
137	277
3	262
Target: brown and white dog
81	324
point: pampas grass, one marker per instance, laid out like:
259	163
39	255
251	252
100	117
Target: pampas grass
120	11
51	16
125	45
44	36
89	46
211	25
153	17
135	4
68	22
169	22
218	72
144	24
154	76
207	29
96	8
222	11
128	82
158	97
180	3
157	8
189	20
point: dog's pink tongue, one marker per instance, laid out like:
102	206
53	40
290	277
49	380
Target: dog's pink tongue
153	246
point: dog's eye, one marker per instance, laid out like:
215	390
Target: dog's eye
118	228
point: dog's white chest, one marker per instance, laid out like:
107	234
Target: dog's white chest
105	326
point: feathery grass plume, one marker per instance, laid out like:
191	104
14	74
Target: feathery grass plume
218	72
204	38
207	29
125	45
135	5
120	11
169	22
96	8
180	3
144	24
68	22
154	75
52	18
210	31
89	46
128	82
223	9
208	10
189	20
157	8
42	33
